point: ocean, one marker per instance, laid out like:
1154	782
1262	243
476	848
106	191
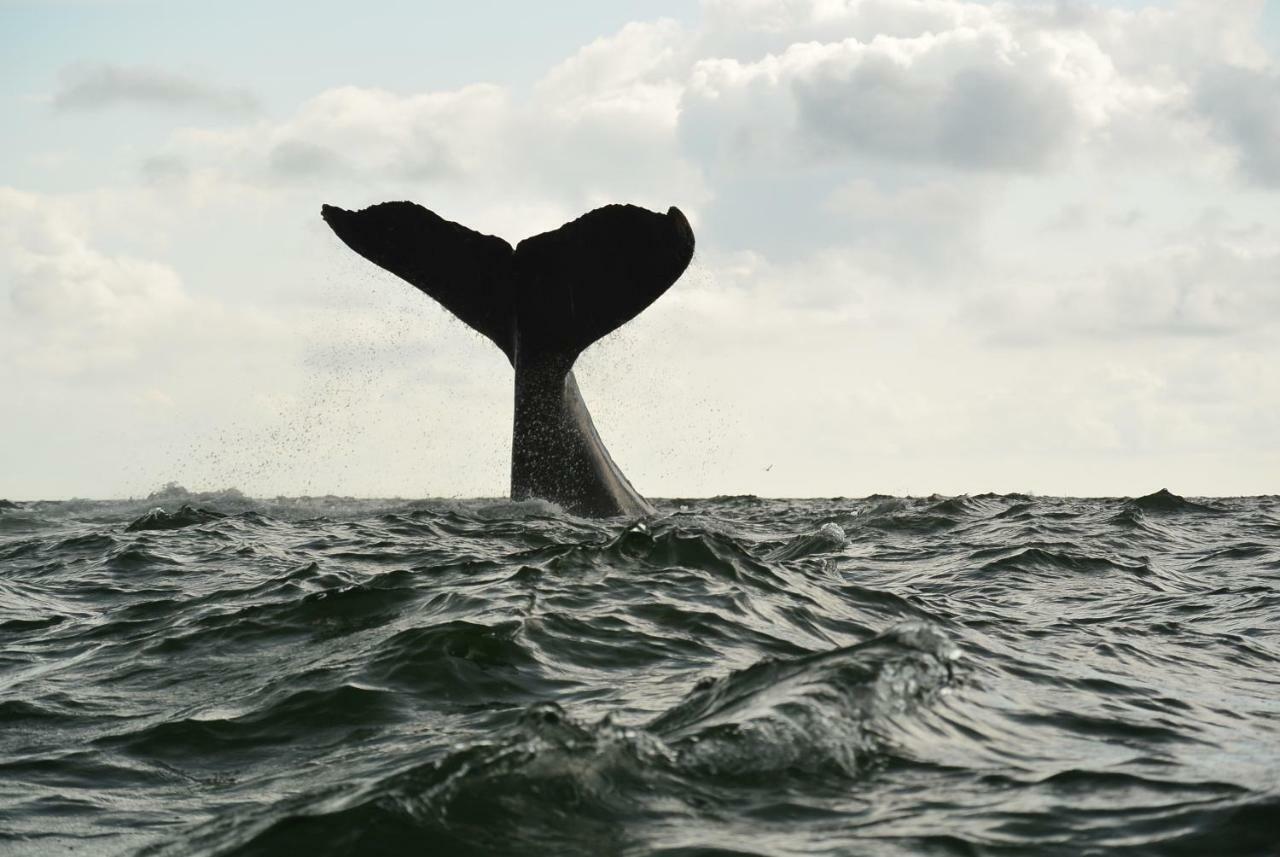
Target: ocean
976	675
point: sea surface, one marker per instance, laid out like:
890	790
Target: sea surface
994	674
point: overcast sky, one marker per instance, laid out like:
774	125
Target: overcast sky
943	246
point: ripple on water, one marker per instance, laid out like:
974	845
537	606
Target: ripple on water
986	674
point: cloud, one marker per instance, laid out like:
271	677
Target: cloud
983	90
760	93
352	134
1019	88
72	307
1214	288
984	115
585	138
907	232
638	54
55	275
1164	44
164	169
100	85
302	159
884	133
748	30
887	194
1243	107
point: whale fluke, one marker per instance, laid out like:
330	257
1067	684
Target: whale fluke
542	303
594	274
471	274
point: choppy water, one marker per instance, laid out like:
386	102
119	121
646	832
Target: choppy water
978	675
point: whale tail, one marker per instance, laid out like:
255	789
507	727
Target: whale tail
553	294
542	303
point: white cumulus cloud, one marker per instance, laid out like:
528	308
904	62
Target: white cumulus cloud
64	292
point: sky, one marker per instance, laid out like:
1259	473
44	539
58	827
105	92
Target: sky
943	246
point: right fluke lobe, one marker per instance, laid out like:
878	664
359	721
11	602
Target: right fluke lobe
594	274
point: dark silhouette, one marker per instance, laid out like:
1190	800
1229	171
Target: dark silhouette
187	516
542	303
1165	500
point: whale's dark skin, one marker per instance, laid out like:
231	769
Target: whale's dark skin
542	303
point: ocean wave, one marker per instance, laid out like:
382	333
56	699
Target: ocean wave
1165	501
742	675
825	714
